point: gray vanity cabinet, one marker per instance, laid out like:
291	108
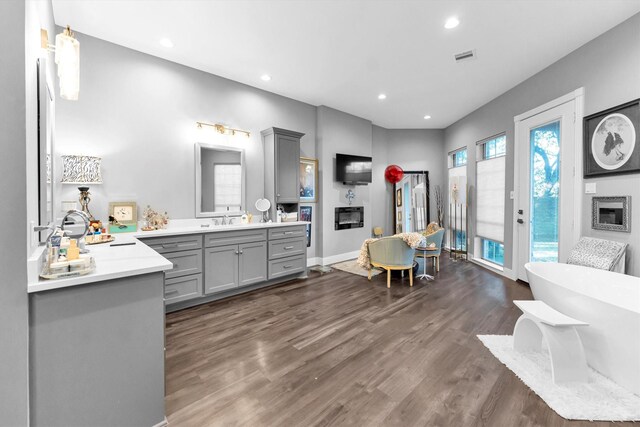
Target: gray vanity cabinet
221	268
184	281
281	166
230	266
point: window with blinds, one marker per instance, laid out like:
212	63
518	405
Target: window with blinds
227	188
490	189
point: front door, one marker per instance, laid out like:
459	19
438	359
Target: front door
545	176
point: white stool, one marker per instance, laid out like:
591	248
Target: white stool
538	322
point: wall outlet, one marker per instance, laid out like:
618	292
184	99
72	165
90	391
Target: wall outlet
590	188
511	195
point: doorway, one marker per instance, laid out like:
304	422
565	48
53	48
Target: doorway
547	183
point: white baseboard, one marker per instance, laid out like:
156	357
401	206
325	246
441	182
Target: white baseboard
311	262
162	423
506	272
340	257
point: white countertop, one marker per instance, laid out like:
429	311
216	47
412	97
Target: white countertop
114	262
193	226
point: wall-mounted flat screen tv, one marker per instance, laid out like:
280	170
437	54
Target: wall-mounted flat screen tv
353	170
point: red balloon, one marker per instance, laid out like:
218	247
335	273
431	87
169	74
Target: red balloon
393	173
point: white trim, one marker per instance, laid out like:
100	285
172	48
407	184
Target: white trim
578	93
505	272
577	96
312	262
340	257
162	423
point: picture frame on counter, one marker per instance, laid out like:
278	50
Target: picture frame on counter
123	217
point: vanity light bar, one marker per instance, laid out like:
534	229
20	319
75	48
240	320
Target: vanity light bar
225	130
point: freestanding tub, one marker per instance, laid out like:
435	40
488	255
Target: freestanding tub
609	302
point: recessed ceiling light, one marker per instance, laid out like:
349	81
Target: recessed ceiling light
427	117
265	77
166	42
452	22
382	96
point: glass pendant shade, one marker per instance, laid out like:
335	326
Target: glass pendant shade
68	61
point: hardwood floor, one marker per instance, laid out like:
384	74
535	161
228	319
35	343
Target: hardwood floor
337	349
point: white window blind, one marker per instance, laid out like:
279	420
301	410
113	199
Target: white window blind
490	199
227	187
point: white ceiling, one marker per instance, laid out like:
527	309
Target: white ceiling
343	53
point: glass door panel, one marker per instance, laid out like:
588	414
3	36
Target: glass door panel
544	192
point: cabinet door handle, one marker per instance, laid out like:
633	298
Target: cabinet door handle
237	253
287	266
288	232
241	252
171	292
278	194
169	245
286	248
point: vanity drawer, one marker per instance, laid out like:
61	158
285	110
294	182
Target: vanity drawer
173	244
287	232
182	288
287	247
184	263
222	238
286	266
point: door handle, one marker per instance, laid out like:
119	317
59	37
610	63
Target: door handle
520	221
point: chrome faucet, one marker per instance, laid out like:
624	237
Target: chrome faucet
225	220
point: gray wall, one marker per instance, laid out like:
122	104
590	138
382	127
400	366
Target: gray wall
605	86
411	149
339	132
138	113
13	211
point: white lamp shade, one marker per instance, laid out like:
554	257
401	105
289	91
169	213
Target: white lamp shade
68	61
81	170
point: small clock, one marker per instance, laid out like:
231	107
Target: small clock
124	212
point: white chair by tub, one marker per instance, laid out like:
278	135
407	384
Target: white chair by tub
599	253
538	322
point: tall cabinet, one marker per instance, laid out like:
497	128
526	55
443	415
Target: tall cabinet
281	168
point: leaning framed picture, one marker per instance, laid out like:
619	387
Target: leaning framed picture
308	179
305	215
611	143
399	197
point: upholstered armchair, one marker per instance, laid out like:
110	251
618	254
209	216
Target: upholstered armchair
391	253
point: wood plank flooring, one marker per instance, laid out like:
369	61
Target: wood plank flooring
339	350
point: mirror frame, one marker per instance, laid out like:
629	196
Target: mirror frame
198	166
46	147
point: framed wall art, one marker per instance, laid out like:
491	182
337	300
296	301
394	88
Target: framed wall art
611	213
399	197
611	141
308	180
305	215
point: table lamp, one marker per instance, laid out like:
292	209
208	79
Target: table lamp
83	170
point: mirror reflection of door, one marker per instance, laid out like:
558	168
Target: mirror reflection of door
412	214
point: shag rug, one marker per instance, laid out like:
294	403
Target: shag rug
352	267
599	399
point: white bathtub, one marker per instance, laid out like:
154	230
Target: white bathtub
609	302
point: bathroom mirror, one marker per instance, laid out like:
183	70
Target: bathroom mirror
220	180
46	105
